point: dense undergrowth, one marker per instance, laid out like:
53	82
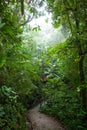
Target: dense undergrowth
61	91
63	104
12	112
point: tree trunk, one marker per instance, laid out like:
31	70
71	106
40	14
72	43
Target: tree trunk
81	62
82	83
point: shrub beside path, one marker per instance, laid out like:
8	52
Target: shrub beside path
39	121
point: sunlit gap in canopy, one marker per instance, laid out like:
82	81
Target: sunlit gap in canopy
47	35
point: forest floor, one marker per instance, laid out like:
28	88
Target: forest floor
39	121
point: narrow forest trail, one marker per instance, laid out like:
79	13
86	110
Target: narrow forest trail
39	121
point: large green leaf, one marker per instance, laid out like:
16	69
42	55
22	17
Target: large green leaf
2	58
1	25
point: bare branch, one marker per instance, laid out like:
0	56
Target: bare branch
27	21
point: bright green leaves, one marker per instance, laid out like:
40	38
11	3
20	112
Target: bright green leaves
36	28
56	25
9	30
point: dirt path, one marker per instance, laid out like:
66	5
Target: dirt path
39	121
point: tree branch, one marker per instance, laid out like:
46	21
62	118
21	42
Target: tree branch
28	20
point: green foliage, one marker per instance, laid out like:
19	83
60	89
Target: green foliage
54	76
17	68
1	24
16	58
63	103
67	12
11	112
62	89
